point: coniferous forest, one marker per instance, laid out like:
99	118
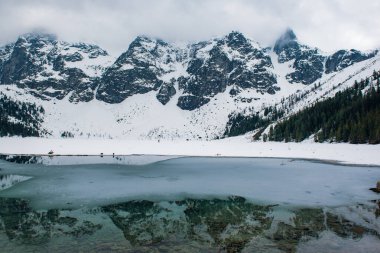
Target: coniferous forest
19	118
349	116
352	115
240	123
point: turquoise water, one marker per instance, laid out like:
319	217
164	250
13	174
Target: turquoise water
86	204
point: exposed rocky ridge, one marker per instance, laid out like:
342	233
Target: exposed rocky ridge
345	58
310	63
137	70
199	71
232	60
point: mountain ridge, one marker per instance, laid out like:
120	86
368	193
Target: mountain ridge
199	70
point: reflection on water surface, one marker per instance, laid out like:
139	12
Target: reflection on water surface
212	224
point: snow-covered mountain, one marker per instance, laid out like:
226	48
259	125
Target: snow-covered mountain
197	72
52	68
156	89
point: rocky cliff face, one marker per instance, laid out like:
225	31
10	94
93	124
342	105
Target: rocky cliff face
198	71
307	62
5	53
233	61
138	70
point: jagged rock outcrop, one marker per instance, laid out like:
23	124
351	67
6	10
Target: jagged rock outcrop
52	68
232	60
308	62
138	70
166	92
199	71
345	58
5	53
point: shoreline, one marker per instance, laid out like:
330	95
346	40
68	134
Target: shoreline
236	147
332	162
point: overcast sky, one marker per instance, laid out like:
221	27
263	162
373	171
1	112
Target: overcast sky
327	24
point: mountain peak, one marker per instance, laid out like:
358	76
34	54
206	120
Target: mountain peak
236	39
235	34
289	34
143	38
39	36
287	37
145	41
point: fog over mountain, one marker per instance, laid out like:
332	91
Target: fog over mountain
326	24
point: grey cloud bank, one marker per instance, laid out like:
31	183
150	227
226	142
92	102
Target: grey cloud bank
113	24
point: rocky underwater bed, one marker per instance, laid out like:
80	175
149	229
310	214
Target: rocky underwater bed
191	225
33	219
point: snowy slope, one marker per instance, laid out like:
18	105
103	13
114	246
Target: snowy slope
142	116
332	83
94	60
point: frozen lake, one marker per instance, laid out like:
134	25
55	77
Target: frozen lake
160	203
72	182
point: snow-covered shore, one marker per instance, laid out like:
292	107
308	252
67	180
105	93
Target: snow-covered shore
235	147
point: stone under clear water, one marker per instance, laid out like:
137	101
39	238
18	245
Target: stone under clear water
166	204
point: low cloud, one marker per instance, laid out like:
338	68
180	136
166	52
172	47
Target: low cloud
113	24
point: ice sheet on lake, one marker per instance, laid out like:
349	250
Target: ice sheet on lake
91	159
126	160
7	181
272	181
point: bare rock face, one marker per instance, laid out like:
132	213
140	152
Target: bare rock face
199	71
233	60
166	92
308	62
138	70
